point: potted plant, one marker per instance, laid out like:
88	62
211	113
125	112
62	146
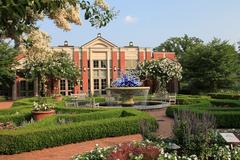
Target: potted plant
58	97
42	110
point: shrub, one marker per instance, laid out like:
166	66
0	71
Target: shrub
225	117
225	96
131	151
225	102
193	132
88	125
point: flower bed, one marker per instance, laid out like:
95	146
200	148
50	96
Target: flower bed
147	150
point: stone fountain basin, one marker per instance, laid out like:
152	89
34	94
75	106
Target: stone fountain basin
126	93
136	91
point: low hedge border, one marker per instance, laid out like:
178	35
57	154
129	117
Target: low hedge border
225	102
120	122
224	96
226	117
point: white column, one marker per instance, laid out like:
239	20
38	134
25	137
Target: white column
108	70
91	73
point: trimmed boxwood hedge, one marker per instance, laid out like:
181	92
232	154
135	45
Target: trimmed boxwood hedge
84	124
225	102
224	96
226	117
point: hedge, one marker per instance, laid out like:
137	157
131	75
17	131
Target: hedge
225	102
84	126
225	117
224	96
170	110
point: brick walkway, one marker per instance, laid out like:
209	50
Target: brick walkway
165	123
6	104
67	151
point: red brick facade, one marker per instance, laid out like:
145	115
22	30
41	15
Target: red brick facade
77	63
148	56
84	72
141	56
114	65
122	62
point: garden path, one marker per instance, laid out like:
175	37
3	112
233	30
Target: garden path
67	151
165	123
6	104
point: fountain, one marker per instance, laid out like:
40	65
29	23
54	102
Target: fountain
125	89
126	94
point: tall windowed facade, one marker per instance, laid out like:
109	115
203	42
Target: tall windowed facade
99	62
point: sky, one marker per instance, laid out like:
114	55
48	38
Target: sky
149	23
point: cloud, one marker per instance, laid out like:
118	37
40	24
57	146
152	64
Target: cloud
130	19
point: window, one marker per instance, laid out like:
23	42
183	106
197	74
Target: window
80	63
26	88
62	84
104	83
88	64
95	64
23	88
70	87
81	85
103	64
96	84
23	85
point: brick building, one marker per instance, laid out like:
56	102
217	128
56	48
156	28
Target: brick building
99	61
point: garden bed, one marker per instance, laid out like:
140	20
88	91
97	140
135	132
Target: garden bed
69	125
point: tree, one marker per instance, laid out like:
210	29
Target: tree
18	17
179	45
210	67
7	64
43	62
161	70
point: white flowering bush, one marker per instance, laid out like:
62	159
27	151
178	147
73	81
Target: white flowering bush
162	70
43	62
215	153
97	153
42	106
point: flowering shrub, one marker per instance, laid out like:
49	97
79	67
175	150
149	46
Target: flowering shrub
127	81
147	150
42	106
43	62
142	150
96	154
162	70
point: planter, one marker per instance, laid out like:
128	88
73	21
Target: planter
39	115
58	98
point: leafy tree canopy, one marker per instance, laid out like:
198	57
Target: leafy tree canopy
210	67
7	64
20	16
179	45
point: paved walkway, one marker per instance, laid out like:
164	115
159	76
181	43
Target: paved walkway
6	104
165	123
67	151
